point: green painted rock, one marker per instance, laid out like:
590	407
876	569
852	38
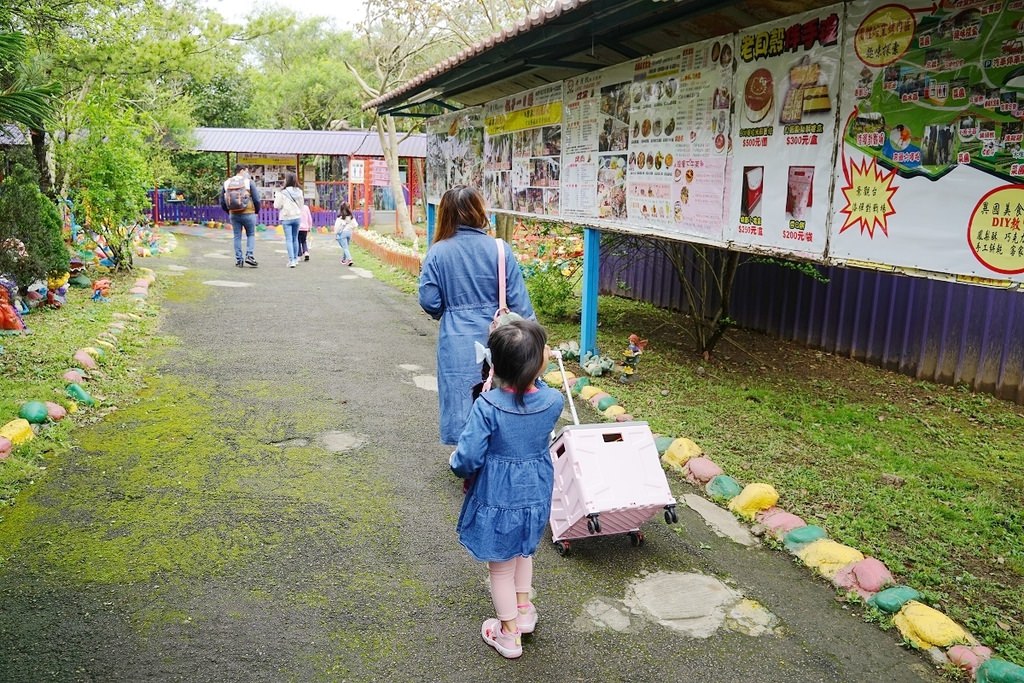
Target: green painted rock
999	671
892	599
662	443
723	487
580	383
606	403
34	411
797	538
81	395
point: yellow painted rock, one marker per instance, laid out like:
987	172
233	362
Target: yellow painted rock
17	431
827	557
587	392
554	379
754	498
105	344
924	626
681	450
614	411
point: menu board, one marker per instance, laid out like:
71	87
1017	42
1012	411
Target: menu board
787	77
931	160
455	151
595	138
523	148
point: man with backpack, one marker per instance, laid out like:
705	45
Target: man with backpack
240	198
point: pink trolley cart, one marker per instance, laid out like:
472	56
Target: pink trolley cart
608	480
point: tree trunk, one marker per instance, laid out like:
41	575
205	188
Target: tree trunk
38	138
389	143
505	226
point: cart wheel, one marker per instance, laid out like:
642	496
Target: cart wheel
636	538
590	525
597	524
675	517
562	548
670	514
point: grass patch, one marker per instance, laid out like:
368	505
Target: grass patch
927	478
32	365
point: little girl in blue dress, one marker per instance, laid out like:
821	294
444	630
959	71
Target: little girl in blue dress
504	449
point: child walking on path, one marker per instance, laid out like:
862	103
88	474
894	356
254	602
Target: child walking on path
504	448
343	227
305	225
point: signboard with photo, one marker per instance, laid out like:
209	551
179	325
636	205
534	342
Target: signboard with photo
455	151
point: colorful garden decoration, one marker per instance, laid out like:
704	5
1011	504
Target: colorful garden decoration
81	395
101	290
631	356
10	318
34	411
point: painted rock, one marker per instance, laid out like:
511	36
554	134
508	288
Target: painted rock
778	522
554	379
699	471
85	360
34	411
74	376
56	411
925	626
5	447
139	291
596	398
96	352
579	384
613	411
587	391
17	431
607	402
827	557
754	498
891	600
681	450
662	443
723	487
79	394
798	538
969	658
999	671
624	417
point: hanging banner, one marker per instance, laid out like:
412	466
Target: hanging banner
930	162
523	151
786	80
356	171
455	151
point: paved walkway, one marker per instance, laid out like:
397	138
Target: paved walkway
276	507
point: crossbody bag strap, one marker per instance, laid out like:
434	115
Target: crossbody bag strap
501	275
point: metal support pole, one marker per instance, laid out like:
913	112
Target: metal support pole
431	222
591	269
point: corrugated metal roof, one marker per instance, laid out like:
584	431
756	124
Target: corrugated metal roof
326	142
12	136
570	37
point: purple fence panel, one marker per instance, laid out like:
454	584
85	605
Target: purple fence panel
941	331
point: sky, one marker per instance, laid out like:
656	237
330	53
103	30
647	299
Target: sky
345	13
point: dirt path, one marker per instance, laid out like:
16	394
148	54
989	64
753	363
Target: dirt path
276	508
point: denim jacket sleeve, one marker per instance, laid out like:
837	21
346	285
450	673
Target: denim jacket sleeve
255	192
430	289
516	295
469	455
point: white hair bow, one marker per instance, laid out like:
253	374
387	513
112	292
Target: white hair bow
482	353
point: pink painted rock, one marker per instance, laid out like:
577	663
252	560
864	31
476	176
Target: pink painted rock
56	411
700	470
967	657
85	360
596	398
117	324
865	577
778	522
624	417
73	377
142	282
139	291
5	447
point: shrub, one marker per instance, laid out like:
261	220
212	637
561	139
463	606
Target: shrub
29	217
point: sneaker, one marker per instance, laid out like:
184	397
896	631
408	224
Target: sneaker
239	264
305	257
250	261
508	645
350	262
291	264
526	620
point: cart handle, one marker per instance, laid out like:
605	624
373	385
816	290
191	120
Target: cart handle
565	386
